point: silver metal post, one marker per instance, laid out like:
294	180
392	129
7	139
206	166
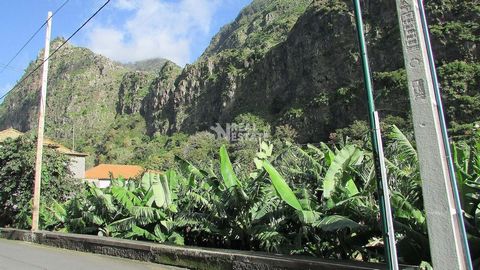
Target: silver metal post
386	196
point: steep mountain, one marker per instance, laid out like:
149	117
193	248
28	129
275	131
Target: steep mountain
258	27
81	95
85	94
297	64
291	63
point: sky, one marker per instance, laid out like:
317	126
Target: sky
125	30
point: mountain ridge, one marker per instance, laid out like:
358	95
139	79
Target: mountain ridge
293	64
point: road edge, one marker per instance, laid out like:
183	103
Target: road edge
182	256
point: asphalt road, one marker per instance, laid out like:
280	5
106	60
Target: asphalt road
17	255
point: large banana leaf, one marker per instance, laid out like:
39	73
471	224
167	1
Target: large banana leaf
189	168
342	160
308	217
123	224
146	182
166	189
172	179
158	185
406	149
104	199
282	188
228	175
140	232
127	198
329	155
336	222
158	194
403	209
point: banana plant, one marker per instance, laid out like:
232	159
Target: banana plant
467	164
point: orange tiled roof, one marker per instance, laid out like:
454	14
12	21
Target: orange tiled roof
103	171
13	134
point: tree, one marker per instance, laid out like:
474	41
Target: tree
17	161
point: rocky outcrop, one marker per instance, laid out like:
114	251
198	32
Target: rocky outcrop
157	106
259	26
133	89
297	81
307	73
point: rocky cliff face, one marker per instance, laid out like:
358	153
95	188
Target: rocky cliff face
297	63
289	62
133	89
82	94
157	106
306	72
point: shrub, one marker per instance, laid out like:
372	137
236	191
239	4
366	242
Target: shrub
17	162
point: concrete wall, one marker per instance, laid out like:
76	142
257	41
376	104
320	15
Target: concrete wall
184	256
77	166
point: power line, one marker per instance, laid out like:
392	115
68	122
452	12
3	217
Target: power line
30	39
13	68
56	50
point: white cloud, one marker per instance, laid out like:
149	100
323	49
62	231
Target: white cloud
154	28
124	4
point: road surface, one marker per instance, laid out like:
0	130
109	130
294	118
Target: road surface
17	255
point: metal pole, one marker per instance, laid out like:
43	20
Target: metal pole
443	126
41	123
447	244
386	196
380	172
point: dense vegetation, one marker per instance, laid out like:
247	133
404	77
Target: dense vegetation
17	161
291	70
318	200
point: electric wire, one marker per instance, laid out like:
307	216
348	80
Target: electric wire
10	67
30	39
56	50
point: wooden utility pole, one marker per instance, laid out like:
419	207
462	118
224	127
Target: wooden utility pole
41	123
447	240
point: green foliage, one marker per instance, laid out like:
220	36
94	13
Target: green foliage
342	160
455	28
282	188
466	157
460	84
17	161
312	200
124	142
259	27
252	120
280	197
228	175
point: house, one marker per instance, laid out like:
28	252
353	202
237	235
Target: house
102	174
77	159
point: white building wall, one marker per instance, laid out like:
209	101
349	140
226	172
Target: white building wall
77	167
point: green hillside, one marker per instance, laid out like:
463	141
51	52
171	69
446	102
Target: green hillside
293	65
